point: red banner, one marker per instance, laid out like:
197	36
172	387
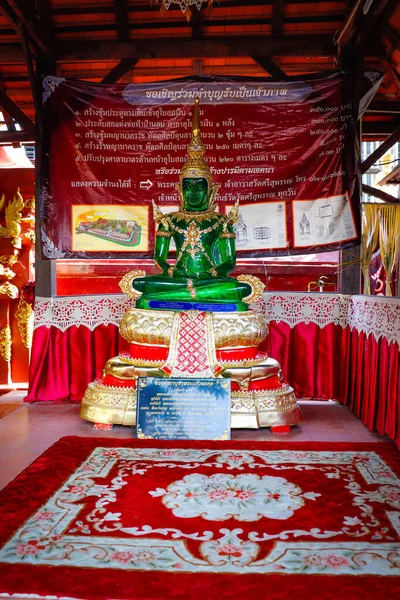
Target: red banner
286	150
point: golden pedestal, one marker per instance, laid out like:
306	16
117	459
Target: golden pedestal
192	344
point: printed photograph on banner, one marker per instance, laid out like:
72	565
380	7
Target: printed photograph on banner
110	228
323	221
261	225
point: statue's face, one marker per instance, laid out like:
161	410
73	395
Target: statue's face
195	193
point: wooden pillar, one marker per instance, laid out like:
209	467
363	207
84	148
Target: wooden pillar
45	269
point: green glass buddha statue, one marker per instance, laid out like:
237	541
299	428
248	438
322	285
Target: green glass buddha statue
205	243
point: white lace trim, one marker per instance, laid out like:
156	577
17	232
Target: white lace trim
377	316
373	315
90	311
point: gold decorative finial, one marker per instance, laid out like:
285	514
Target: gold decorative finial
196	165
196	119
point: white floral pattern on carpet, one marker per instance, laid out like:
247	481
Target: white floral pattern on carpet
245	497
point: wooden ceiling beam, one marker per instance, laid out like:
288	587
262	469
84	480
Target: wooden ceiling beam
378	129
372	191
392	36
15	137
197	24
121	20
270	66
45	14
72	9
384	106
36	93
9	121
17	114
213	47
24	11
364	18
351	25
278	10
394	76
125	65
179	24
379	152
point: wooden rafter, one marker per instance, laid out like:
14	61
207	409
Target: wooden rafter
393	37
379	152
121	20
32	76
45	15
197	24
270	66
17	114
364	19
372	191
295	45
15	137
8	120
384	106
379	128
125	65
388	67
278	9
351	24
25	15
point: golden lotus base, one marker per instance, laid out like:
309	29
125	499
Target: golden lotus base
249	409
265	408
109	404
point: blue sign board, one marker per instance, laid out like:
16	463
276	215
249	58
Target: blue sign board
183	409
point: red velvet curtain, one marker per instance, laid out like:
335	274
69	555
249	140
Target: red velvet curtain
374	384
314	360
63	363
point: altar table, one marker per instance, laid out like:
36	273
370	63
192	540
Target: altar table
332	346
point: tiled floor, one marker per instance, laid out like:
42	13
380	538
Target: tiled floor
30	430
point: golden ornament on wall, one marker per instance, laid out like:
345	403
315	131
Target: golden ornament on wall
5	343
24	316
8	259
13	218
9	289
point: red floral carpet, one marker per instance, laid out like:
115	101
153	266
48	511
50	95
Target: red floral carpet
114	519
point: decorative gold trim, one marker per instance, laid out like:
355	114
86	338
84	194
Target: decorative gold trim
8	259
109	404
9	289
126	284
228	235
24	316
165	234
30	203
204	215
233	215
138	362
13	218
191	288
257	288
242	363
5	343
231	329
196	165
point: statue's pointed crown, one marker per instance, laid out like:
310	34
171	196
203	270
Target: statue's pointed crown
196	165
